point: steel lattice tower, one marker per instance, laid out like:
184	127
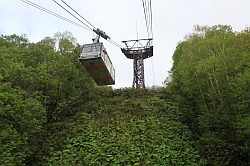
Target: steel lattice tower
138	52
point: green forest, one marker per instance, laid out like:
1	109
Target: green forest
52	112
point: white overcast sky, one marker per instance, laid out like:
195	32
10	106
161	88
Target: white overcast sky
121	20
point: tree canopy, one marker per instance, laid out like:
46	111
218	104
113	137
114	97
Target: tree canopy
211	76
52	112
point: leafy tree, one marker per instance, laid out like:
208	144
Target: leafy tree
206	67
66	42
20	118
14	40
43	74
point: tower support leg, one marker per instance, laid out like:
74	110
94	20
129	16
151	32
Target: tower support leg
138	81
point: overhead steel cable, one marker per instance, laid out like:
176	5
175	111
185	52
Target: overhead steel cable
147	8
52	13
115	43
145	15
79	14
96	30
151	18
152	36
84	26
72	14
148	16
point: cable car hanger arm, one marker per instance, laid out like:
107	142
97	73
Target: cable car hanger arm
101	33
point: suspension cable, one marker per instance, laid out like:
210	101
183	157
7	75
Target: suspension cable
96	30
79	14
114	43
52	13
151	18
145	15
86	27
72	14
147	8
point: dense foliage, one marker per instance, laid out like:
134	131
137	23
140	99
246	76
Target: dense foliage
123	130
211	77
36	84
52	113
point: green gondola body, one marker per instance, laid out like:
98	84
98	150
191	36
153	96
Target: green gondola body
96	61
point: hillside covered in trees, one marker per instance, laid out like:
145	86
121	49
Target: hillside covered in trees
52	113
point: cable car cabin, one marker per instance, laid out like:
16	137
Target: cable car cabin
96	61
